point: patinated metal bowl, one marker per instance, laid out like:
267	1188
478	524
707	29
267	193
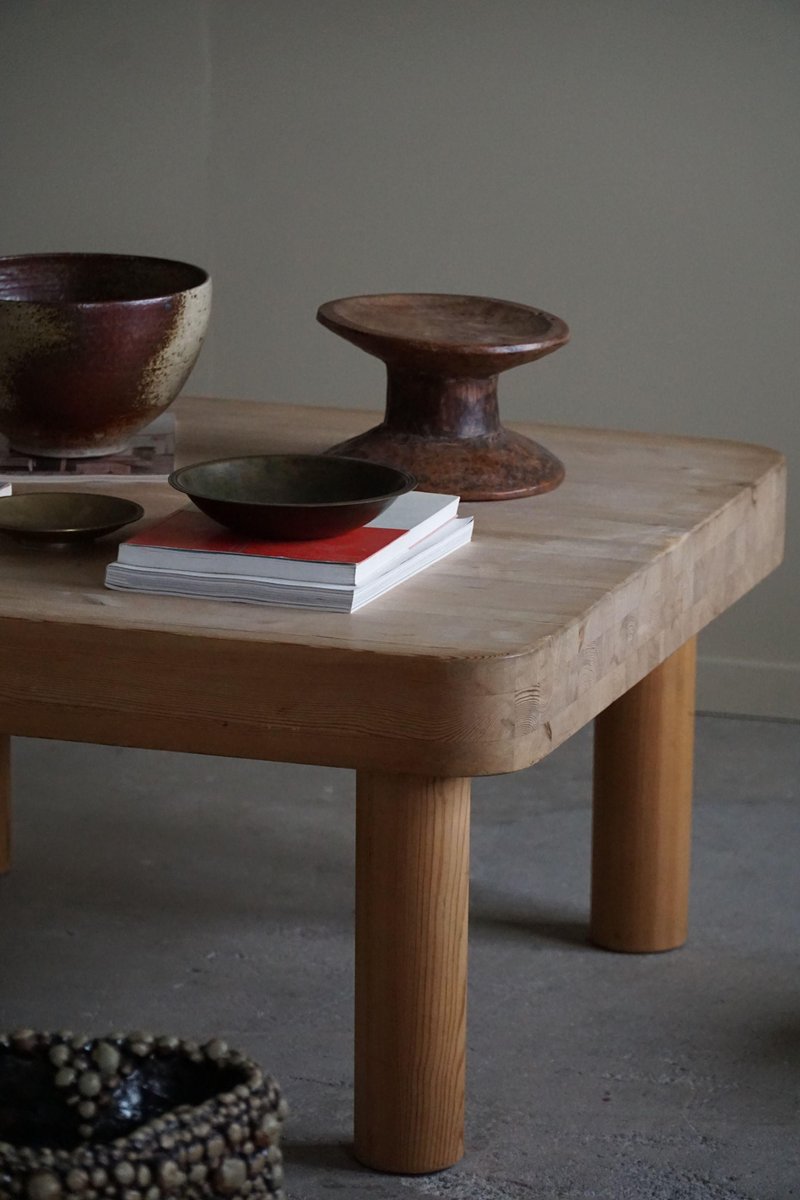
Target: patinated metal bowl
291	496
65	516
94	346
133	1115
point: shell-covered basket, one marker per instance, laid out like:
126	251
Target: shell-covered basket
135	1117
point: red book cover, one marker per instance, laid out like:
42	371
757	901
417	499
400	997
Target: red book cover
190	530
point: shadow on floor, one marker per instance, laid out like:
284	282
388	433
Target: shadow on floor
491	912
322	1156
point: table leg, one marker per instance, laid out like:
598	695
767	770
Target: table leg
642	811
412	886
5	803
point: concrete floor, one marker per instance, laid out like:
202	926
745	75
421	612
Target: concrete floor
201	895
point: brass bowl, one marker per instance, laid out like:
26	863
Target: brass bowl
291	497
64	516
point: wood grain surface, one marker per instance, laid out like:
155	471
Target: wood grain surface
482	664
412	884
642	812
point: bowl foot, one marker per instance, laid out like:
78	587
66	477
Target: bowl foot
103	451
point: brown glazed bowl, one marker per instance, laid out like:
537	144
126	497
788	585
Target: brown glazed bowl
94	346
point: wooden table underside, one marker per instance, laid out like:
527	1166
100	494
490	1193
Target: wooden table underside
577	604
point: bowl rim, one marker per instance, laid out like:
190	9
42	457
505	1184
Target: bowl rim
134	509
66	256
408	484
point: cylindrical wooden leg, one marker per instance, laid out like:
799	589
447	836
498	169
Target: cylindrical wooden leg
5	802
412	885
643	811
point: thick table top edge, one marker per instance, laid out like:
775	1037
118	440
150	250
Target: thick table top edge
449	710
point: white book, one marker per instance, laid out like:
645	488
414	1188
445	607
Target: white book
187	540
5	489
332	597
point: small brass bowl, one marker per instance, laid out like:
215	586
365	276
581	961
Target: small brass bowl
64	516
291	497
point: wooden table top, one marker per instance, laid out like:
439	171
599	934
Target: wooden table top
482	663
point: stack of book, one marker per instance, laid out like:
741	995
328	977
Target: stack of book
188	554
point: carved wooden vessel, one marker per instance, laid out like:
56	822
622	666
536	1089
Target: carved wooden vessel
443	355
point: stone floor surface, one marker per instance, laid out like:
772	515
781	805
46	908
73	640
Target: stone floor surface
206	896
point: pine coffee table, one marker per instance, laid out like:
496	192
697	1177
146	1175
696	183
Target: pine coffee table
579	604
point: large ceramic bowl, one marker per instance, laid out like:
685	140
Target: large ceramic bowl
132	1115
291	497
94	346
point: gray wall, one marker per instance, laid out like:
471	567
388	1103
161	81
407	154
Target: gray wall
631	165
